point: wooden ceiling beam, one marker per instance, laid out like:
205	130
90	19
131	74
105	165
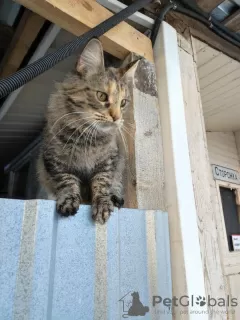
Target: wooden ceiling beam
233	22
78	17
182	23
26	32
208	5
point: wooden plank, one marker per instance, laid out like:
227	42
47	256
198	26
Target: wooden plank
78	17
234	284
208	5
27	31
206	54
130	194
148	139
212	65
217	105
201	32
222	85
200	46
219	73
233	22
200	171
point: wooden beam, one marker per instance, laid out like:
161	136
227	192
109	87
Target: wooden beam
179	192
233	22
181	23
208	5
200	175
78	17
27	31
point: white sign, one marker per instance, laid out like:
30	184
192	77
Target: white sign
236	242
225	174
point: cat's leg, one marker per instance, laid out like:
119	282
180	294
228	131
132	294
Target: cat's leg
102	204
63	185
68	194
117	184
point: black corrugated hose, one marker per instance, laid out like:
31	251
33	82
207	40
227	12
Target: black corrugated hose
187	8
159	20
188	4
33	70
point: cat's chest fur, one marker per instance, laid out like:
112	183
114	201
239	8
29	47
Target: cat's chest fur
84	159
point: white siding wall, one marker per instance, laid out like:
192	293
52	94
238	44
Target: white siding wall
222	149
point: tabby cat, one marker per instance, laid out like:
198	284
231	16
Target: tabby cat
81	144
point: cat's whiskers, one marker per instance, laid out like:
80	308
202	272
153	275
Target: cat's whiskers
94	132
77	129
132	125
124	141
69	125
88	136
76	142
126	130
65	115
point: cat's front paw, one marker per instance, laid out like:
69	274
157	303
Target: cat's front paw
118	202
68	205
102	209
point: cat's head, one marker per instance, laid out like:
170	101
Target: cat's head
99	94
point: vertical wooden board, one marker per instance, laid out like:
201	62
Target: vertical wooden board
237	139
148	139
234	285
26	33
130	193
213	272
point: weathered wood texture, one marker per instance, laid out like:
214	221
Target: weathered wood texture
148	139
233	22
201	32
78	17
208	5
212	264
26	32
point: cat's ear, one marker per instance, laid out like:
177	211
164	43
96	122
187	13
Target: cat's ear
129	66
91	60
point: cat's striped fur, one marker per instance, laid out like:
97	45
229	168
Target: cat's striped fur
81	140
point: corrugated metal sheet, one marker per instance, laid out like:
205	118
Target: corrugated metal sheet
25	119
69	269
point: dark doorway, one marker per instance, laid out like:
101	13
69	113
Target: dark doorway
230	211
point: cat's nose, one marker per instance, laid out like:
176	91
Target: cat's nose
115	117
115	114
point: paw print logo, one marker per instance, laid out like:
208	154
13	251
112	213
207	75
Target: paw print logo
201	301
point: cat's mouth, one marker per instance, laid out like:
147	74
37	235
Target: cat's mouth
106	121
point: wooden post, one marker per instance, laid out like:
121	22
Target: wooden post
187	268
200	174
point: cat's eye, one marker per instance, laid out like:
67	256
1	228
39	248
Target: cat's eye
123	103
102	96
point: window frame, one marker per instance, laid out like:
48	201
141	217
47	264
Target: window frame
231	259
